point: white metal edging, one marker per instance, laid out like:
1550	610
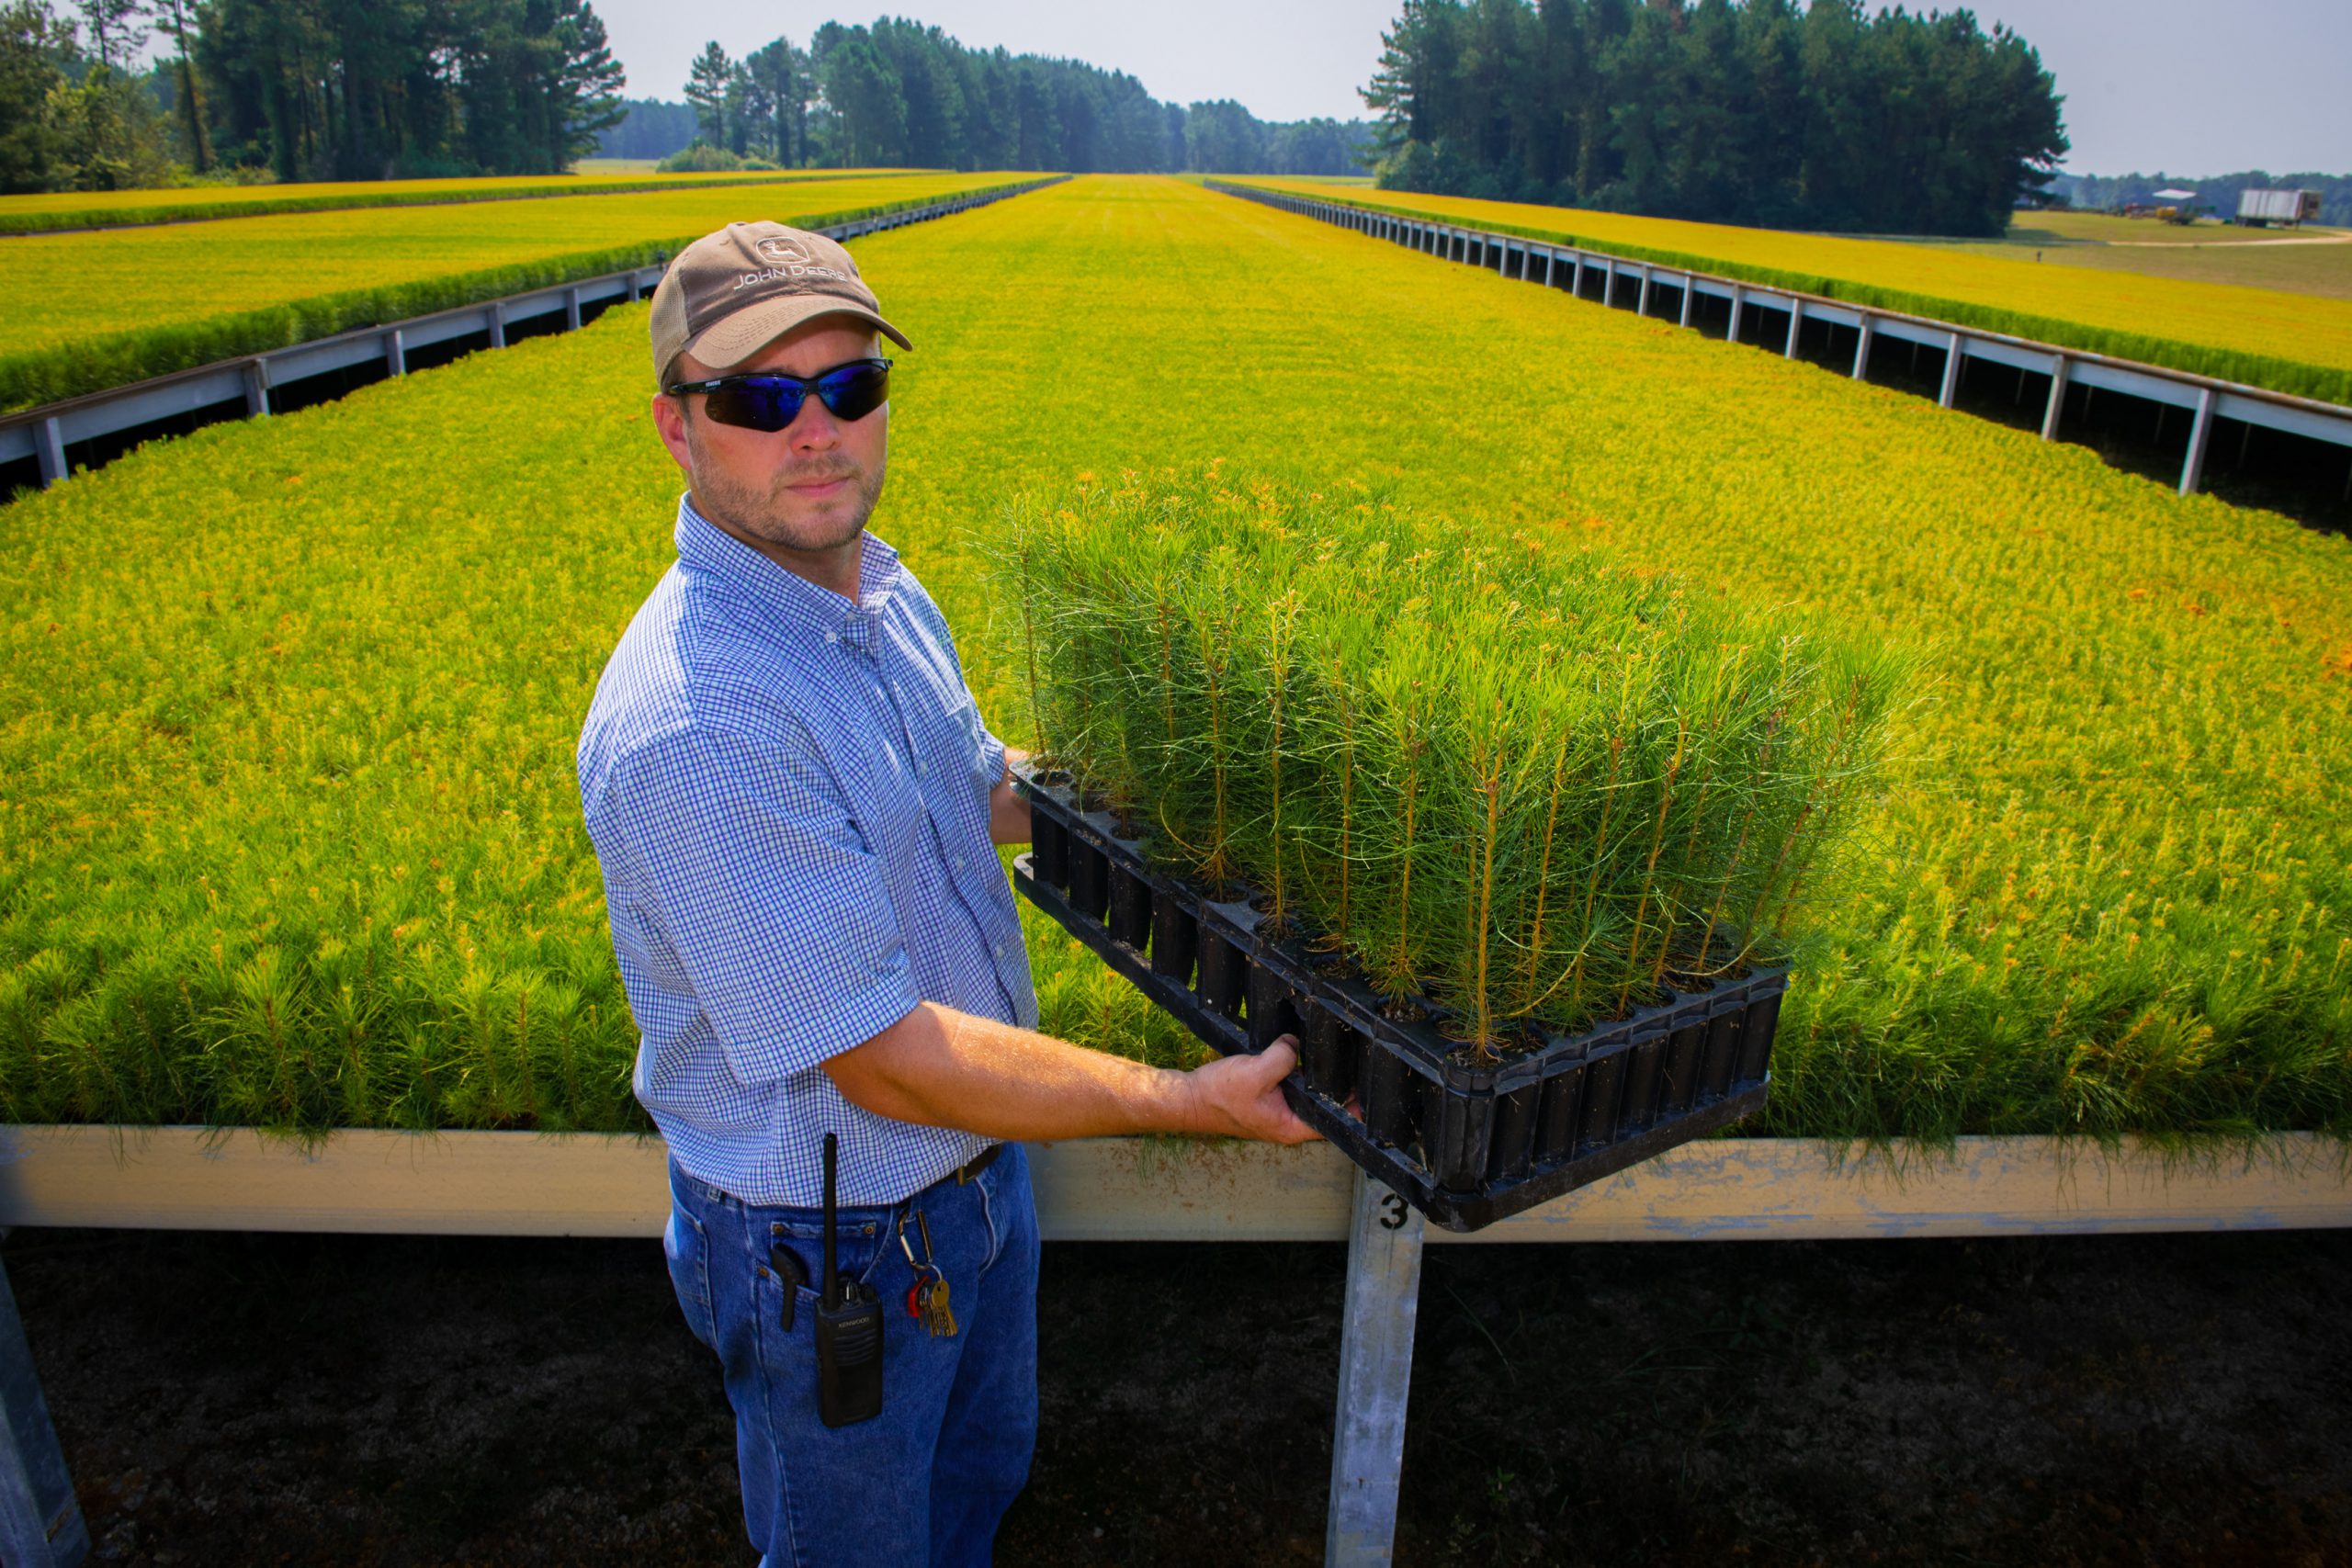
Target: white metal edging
2212	398
472	1183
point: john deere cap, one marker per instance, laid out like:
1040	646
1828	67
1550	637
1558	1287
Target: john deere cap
730	294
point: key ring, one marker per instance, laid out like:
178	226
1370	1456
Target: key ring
915	1214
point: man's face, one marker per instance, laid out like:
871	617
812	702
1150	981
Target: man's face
808	487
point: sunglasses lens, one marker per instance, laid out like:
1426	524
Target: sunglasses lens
854	390
756	406
770	403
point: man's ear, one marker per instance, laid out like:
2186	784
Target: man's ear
669	423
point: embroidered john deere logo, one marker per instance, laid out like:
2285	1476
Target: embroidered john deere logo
788	261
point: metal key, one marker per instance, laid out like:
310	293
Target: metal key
938	1319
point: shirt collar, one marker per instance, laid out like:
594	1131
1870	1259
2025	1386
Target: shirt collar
705	546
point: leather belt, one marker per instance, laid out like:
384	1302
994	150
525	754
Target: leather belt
979	1163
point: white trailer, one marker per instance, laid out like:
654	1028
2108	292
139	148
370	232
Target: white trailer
2260	208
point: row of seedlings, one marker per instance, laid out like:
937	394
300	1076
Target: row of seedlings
2152	418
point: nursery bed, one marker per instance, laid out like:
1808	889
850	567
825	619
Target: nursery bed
293	757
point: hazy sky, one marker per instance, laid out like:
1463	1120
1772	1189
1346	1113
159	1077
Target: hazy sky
2190	86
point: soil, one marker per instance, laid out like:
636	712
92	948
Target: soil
245	1399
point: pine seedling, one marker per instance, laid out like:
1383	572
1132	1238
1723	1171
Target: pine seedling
1216	615
1533	990
1029	601
1492	763
1280	657
1400	692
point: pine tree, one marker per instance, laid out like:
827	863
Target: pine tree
588	82
113	25
774	72
171	22
706	91
33	47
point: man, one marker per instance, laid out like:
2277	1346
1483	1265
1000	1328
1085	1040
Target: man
797	807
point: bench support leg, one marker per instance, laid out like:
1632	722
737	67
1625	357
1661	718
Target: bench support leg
41	1523
1376	1374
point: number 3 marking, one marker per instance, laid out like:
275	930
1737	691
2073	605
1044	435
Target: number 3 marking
1392	1212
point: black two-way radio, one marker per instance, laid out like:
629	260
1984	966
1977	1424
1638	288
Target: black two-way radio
849	1333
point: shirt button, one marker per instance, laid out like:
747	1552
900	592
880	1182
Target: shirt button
832	636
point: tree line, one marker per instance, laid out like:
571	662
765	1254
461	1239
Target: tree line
648	127
1768	112
901	94
298	89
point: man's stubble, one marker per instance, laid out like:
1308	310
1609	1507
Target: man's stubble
765	515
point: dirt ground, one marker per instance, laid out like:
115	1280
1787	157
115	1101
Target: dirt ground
248	1399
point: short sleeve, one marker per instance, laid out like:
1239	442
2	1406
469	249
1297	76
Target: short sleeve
770	895
991	756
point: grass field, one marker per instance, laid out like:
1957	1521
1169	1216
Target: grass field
2317	264
2061	226
100	209
2300	260
2196	316
83	312
288	824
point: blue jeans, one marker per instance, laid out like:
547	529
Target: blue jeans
926	1480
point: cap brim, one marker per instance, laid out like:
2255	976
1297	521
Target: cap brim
730	341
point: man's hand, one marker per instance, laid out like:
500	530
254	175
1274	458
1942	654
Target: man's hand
1242	1097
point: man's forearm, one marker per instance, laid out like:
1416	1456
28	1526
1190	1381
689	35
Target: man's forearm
945	1069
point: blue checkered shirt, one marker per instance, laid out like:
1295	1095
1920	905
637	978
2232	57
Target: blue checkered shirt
789	795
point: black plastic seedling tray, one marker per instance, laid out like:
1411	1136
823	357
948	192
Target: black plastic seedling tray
1465	1144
